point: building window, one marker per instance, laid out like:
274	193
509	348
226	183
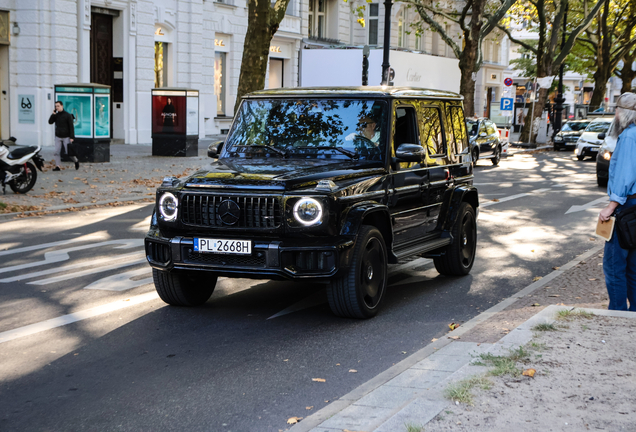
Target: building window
418	41
449	50
373	23
317	18
161	64
219	82
401	31
435	47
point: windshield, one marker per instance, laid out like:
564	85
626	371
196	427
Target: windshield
598	127
310	128
574	127
472	126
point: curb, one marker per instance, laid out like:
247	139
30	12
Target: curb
356	394
9	216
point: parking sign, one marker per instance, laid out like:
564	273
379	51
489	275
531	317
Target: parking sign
506	104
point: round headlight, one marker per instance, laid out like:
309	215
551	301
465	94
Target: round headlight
308	211
168	206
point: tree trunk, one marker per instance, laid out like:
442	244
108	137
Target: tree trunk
468	66
263	21
527	135
627	73
600	87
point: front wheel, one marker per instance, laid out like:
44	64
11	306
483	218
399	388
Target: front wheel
497	157
359	292
179	288
459	256
26	180
580	157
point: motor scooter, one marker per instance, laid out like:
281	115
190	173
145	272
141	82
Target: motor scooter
18	167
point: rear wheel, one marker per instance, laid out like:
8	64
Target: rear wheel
26	180
360	291
179	288
459	256
497	157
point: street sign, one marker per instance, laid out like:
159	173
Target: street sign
506	104
508	82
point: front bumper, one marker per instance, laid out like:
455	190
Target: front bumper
270	259
587	150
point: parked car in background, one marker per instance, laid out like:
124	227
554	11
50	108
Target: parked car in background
484	140
589	142
569	134
603	158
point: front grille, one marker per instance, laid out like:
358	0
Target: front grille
158	252
255	212
255	260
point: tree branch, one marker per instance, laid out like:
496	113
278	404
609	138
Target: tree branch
438	28
491	24
517	41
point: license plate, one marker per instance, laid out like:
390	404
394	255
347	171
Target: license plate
223	246
593	148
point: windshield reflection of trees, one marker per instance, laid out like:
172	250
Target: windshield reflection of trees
300	126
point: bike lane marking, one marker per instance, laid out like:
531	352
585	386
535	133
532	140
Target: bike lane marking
75	317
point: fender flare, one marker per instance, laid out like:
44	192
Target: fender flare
448	212
374	214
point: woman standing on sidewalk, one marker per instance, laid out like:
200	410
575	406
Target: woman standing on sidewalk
619	264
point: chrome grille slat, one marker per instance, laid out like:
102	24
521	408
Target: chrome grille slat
256	212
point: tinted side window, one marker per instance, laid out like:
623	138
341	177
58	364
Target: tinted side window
432	137
456	134
405	131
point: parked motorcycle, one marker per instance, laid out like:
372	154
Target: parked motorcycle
17	167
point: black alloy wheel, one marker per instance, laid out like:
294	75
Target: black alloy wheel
26	180
497	157
359	292
459	256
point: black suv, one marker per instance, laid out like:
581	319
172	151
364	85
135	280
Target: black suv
322	184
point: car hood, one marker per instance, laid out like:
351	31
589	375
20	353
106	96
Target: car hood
280	174
570	133
590	137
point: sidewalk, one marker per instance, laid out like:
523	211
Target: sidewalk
132	175
411	393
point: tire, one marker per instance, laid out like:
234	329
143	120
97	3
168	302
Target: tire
580	157
26	180
459	256
184	288
602	182
475	156
359	293
497	157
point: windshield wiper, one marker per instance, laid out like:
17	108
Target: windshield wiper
351	154
283	153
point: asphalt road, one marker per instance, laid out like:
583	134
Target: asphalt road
86	345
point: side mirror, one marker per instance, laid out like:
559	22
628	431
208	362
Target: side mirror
410	153
601	136
483	134
214	149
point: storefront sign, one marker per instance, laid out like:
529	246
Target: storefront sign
274	49
219	42
26	109
412	76
279	49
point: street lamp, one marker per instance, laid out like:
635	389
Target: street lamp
558	108
386	67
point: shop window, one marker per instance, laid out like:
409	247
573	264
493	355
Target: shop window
373	23
161	64
317	19
276	73
219	82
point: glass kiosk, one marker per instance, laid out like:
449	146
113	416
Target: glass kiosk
91	109
175	122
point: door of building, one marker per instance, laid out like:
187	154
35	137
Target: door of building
102	52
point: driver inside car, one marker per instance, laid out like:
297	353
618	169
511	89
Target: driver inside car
366	129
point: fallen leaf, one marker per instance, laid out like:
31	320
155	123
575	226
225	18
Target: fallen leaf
592	279
308	408
403	352
453	337
532	250
555	268
495	200
293	420
535	304
536	278
76	178
453	326
592	239
319	380
554	295
433	340
353	370
337	364
286	360
529	372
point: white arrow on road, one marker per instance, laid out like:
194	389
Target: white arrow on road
591	204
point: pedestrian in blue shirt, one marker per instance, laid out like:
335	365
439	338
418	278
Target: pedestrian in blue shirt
619	264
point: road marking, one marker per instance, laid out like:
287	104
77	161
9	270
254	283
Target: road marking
513	197
591	204
74	317
91	271
48	245
122	281
62	254
91	263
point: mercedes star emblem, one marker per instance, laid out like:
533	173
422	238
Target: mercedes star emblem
229	212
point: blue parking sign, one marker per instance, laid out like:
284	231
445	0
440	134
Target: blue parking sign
506	104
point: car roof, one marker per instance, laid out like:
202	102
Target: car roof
603	120
580	121
364	91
